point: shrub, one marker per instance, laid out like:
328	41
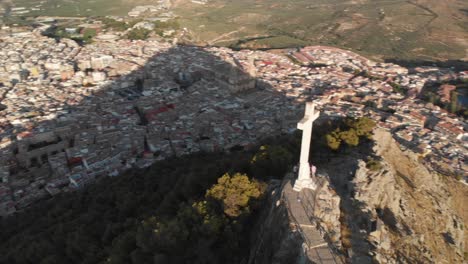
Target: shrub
333	140
138	33
371	104
89	34
114	24
373	164
397	88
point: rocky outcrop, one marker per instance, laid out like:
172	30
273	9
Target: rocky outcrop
276	240
298	227
327	212
396	212
410	208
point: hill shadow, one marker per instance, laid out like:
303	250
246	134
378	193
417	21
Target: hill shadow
107	113
459	65
339	168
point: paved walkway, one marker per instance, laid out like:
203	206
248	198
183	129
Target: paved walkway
300	207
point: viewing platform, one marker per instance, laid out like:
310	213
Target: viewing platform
300	208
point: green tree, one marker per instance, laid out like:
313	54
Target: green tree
453	107
137	256
333	140
363	126
465	113
350	137
236	193
371	104
271	160
355	128
51	259
122	247
212	223
433	98
172	235
103	223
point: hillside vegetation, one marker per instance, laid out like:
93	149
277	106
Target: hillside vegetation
192	209
402	30
198	208
413	29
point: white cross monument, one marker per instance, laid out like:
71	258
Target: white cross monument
303	179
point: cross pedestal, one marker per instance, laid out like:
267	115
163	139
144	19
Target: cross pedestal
303	179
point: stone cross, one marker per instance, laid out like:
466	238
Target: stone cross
304	180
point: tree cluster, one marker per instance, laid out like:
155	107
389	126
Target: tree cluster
454	106
272	161
206	231
235	193
350	132
198	208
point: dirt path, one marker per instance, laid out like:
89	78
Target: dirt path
427	9
211	42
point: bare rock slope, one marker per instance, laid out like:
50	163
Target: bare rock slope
400	212
298	227
414	213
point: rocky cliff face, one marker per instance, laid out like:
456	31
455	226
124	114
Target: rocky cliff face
398	212
276	240
298	227
413	219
